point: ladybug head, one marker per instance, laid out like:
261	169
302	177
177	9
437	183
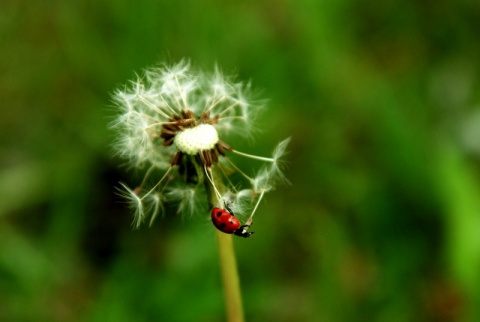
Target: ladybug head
243	231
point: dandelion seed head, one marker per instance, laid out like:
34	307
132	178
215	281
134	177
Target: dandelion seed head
174	118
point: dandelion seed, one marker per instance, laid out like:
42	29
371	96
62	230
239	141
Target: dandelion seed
134	202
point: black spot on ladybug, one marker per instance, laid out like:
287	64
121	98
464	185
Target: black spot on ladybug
222	226
219	213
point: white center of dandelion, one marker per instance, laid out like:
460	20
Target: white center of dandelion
201	137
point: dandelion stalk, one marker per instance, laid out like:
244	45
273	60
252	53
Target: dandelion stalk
228	261
231	281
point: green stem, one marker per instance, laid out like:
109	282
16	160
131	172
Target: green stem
231	281
228	261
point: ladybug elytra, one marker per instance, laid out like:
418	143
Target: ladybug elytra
225	221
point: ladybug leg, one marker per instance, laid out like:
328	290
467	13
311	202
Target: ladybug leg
243	231
227	206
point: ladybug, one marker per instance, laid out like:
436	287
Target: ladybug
226	222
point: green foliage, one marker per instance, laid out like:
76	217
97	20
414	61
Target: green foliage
381	222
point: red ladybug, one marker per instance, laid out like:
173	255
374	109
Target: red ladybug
226	222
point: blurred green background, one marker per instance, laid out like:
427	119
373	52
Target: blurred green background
381	221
